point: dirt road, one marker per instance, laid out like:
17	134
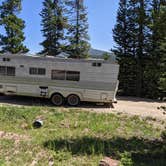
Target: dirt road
125	105
141	107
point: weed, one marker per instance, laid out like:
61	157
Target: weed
126	159
2	163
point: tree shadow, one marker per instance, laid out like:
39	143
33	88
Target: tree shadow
144	152
24	100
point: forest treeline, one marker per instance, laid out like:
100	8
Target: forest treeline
64	27
139	35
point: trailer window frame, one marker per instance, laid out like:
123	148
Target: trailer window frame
65	75
58	74
37	71
72	75
2	70
7	71
11	71
41	71
6	59
96	64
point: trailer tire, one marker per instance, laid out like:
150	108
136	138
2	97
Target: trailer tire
73	100
57	99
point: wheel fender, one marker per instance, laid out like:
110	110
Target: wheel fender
77	94
53	93
65	94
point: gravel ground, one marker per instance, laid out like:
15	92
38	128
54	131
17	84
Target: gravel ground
125	105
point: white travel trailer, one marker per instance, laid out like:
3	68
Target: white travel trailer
70	80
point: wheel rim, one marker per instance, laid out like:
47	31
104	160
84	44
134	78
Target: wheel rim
73	100
57	100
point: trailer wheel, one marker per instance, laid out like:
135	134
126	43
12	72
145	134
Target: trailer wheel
73	100
57	99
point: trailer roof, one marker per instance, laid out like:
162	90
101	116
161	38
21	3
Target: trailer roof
51	58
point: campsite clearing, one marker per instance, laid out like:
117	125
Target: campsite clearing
76	136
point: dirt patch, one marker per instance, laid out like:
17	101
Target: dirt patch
13	136
109	162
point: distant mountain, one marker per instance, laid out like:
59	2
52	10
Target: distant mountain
95	53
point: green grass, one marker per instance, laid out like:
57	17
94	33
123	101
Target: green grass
71	137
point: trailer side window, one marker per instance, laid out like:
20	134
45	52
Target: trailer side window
58	75
33	71
37	71
65	75
6	59
41	71
10	71
7	70
72	75
96	64
2	70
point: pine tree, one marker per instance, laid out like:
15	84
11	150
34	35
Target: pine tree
54	24
13	40
130	34
162	76
138	32
151	74
154	76
77	29
125	48
140	35
120	30
142	21
162	48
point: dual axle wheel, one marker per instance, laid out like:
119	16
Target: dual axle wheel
58	100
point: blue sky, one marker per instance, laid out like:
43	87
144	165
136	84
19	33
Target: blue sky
101	15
